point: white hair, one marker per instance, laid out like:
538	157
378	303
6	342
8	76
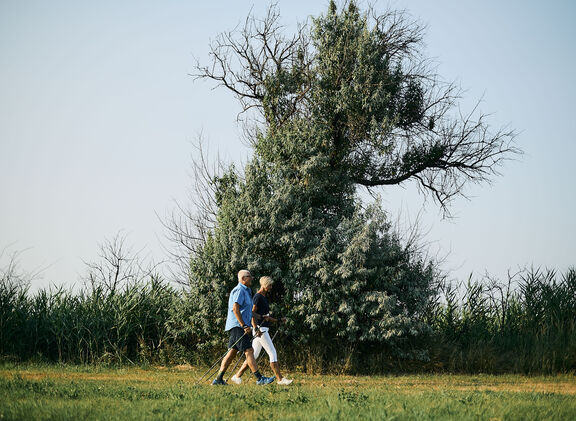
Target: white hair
243	273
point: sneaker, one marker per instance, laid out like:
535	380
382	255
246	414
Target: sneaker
217	382
236	379
285	381
265	380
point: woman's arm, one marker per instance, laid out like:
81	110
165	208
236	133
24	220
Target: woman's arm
255	315
274	320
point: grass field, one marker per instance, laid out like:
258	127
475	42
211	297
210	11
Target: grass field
30	392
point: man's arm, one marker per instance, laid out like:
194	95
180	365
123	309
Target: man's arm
236	311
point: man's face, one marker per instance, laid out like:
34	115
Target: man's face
247	279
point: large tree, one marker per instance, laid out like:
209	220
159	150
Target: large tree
347	101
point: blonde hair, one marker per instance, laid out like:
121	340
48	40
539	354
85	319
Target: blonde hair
266	281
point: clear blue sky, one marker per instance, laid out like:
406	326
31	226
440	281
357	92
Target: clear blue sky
97	115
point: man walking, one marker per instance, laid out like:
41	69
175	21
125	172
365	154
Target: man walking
240	312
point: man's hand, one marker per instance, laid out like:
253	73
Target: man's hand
257	332
247	330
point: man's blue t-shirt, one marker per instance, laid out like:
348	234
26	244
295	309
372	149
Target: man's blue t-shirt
242	295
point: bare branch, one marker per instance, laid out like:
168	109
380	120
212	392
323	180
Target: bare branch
118	266
190	224
249	61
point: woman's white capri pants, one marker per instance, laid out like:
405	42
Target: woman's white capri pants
264	341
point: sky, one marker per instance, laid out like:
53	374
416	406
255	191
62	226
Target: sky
99	113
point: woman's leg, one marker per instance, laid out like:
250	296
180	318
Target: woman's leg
267	344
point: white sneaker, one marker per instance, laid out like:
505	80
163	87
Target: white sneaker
235	379
284	381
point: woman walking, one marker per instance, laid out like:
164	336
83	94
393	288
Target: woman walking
262	338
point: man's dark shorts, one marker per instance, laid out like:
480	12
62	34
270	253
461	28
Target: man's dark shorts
244	343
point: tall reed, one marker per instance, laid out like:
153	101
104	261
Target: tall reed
92	326
527	324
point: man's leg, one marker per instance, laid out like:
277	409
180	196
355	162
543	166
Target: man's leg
228	359
226	362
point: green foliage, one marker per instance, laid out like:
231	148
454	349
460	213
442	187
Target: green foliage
352	94
343	275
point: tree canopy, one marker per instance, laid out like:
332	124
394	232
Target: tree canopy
362	84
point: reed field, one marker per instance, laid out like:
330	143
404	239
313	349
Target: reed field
526	325
97	393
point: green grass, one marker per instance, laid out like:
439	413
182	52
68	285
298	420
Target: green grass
97	393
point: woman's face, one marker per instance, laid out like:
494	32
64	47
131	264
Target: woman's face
268	288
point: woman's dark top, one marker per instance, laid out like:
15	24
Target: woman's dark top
262	308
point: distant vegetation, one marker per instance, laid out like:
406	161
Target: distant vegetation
526	325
